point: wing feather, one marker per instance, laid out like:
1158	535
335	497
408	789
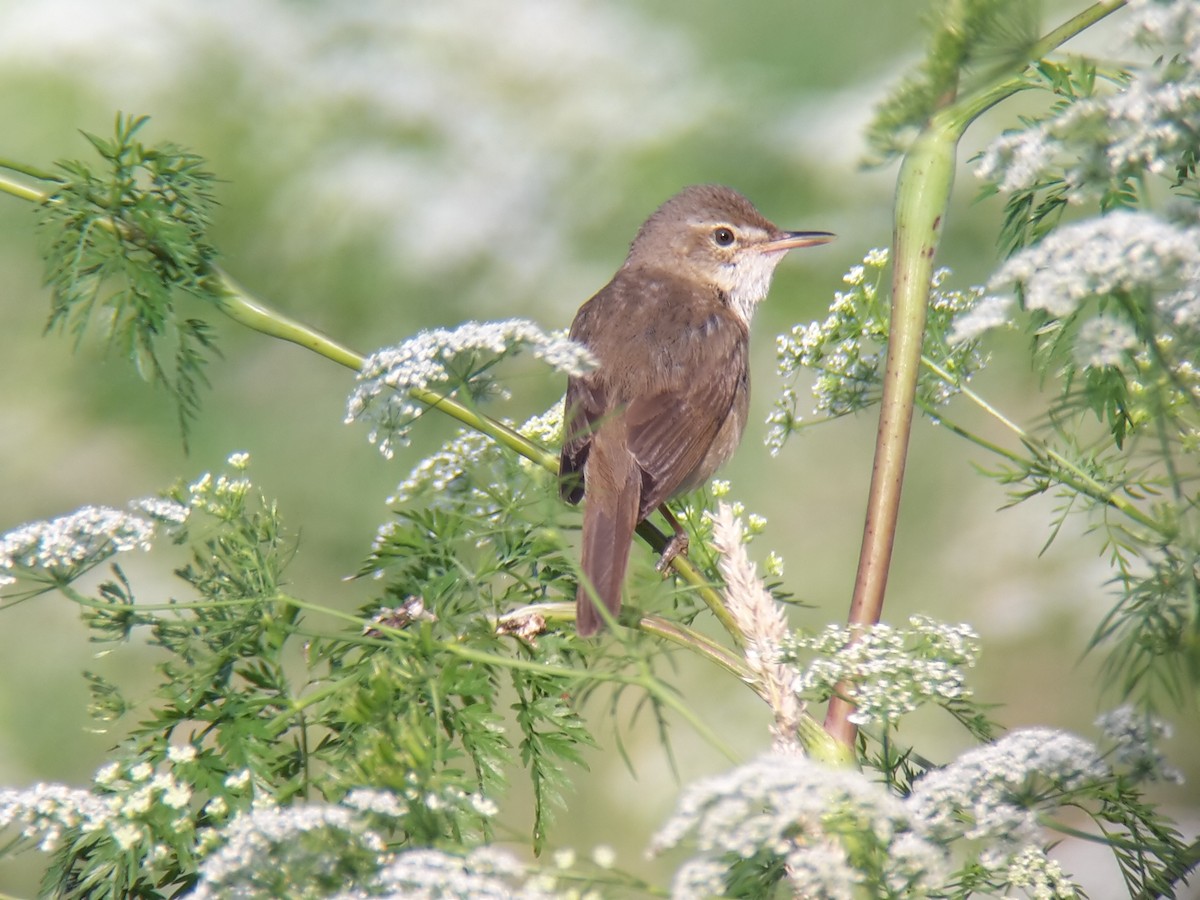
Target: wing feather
673	366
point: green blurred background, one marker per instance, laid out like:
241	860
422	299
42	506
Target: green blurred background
390	166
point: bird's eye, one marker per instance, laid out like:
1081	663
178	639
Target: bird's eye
722	236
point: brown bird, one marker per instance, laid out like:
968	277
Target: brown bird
667	404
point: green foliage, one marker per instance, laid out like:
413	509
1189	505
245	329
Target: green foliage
965	37
125	240
271	707
1035	209
290	748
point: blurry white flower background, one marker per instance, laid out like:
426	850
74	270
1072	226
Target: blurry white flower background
459	130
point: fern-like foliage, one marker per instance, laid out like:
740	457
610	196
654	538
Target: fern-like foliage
126	239
966	37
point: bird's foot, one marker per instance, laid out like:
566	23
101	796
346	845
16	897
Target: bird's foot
676	546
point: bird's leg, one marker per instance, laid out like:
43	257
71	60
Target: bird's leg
677	545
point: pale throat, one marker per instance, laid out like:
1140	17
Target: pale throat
746	279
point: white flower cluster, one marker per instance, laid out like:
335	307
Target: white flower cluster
272	851
1174	24
990	312
44	811
222	496
839	834
887	672
813	818
486	873
1105	340
995	793
383	393
545	427
443	467
124	803
440	469
144	809
1121	252
1131	254
1134	734
1149	124
1040	876
64	547
848	349
764	627
267	840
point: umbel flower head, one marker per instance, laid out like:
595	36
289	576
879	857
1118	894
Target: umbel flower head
388	378
835	833
1097	141
63	547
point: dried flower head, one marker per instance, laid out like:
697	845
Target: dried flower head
764	627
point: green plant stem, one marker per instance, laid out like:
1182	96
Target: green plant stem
922	197
922	194
645	680
21	190
241	306
1069	473
698	643
26	169
690	573
1081	21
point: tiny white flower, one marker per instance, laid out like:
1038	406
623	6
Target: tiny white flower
141	771
181	754
773	565
127	836
107	773
177	796
138	803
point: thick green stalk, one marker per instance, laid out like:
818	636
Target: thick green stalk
922	194
922	197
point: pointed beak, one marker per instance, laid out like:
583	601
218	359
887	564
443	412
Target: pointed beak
790	240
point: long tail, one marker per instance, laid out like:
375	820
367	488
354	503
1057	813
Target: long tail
612	495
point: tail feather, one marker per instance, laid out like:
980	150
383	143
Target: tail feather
610	515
